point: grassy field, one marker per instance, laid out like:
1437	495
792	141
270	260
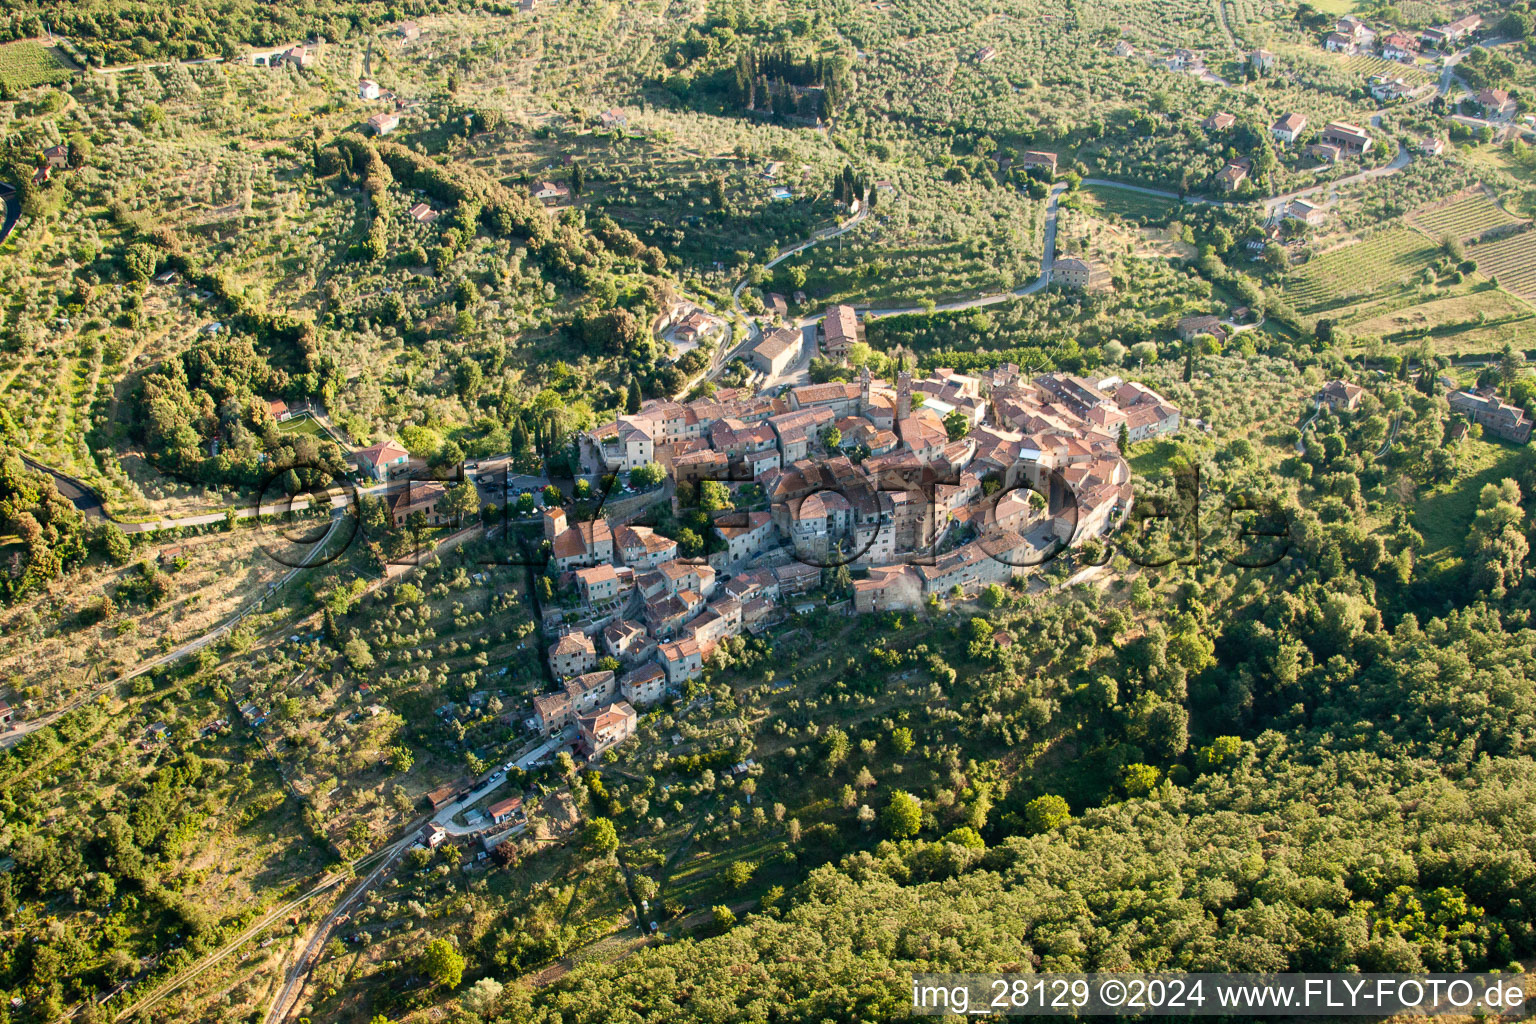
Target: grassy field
1477	320
305	424
1382	261
1512	261
1444	514
26	63
1123	203
1464	218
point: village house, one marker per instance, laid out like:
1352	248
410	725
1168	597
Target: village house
606	728
367	89
56	157
1496	104
382	459
627	640
572	654
682	660
840	328
580	695
777	351
644	685
1443	36
383	124
416	496
1288	128
598	584
509	810
1400	46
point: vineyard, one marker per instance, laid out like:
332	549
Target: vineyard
1378	262
26	63
1365	65
1465	218
1511	261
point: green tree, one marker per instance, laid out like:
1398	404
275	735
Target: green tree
1047	813
903	816
902	741
599	838
632	397
443	963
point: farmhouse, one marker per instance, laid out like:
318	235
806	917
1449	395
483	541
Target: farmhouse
1300	209
1288	127
421	213
1262	60
549	192
612	118
774	303
1350	138
1341	395
1232	176
367	89
383	124
1496	416
1072	272
1124	49
408	30
1032	158
1219	121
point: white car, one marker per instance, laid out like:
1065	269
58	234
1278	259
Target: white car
509	766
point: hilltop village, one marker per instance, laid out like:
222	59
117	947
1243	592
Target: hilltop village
961	482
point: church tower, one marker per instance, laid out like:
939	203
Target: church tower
903	395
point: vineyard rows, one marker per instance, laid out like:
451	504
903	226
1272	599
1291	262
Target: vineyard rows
1361	269
1465	219
1512	261
25	63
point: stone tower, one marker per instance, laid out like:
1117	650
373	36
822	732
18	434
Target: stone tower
866	383
903	395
